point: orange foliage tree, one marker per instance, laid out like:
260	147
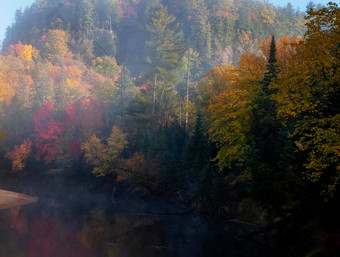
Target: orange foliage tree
19	155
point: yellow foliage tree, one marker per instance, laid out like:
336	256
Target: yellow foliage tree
308	97
103	157
227	94
24	52
55	44
230	123
13	74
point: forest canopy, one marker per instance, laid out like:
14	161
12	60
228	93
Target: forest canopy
224	100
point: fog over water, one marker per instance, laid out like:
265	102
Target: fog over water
169	128
75	221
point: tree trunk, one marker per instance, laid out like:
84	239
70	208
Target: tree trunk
122	95
187	93
154	99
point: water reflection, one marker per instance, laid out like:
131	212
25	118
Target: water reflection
52	229
28	231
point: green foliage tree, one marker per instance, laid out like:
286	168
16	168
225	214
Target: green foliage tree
84	18
43	84
197	154
164	49
104	43
107	66
200	32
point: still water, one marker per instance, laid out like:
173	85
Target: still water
73	221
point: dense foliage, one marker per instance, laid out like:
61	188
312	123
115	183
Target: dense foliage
195	97
218	30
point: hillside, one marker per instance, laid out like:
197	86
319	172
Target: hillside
219	31
228	108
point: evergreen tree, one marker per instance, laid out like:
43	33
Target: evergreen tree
43	84
268	138
84	18
310	6
124	84
164	49
201	32
272	68
265	126
197	154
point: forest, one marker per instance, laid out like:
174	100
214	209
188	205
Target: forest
228	108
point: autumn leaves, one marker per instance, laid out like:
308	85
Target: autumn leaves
298	105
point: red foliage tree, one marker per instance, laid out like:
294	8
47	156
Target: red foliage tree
87	115
47	134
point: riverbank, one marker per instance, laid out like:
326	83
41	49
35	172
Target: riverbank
126	225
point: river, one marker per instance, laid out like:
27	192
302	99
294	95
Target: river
73	221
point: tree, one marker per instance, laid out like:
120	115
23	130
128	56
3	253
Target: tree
285	48
308	98
227	95
107	66
141	172
265	125
47	134
55	44
109	15
88	116
197	154
104	43
229	117
43	92
95	155
9	80
19	155
272	68
124	85
190	59
164	49
104	157
84	18
116	143
24	52
310	5
200	30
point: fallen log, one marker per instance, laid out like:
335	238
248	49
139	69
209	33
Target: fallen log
180	213
260	231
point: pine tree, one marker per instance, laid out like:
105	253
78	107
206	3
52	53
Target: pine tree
201	32
268	140
264	121
164	49
310	5
197	154
84	17
124	84
272	68
43	89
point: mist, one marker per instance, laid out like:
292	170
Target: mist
169	128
